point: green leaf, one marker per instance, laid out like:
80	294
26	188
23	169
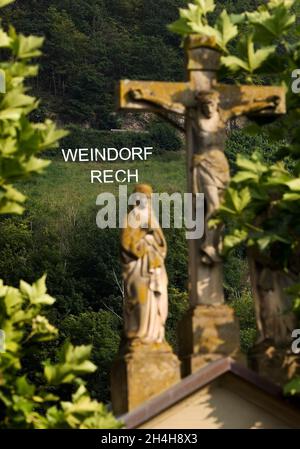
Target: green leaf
205	30
273	23
13	300
13	194
294	184
42	330
3	289
245	176
257	58
76	354
86	413
226	28
278	177
245	198
234	239
4	39
180	26
37	292
25	47
238	199
291	197
234	63
5	2
297	305
50	134
35	165
275	3
192	14
73	362
293	387
40	285
15	99
22	405
193	19
253	164
264	242
24	388
206	5
237	19
11	208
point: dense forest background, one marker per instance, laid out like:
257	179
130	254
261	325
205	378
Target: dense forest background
90	44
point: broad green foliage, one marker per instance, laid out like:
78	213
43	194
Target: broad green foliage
293	387
254	58
21	140
23	404
194	20
262	202
256	31
5	2
255	189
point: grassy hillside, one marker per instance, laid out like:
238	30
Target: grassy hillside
66	183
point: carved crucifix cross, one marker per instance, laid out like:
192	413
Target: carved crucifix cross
206	106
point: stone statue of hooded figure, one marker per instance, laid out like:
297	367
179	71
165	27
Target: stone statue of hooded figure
143	251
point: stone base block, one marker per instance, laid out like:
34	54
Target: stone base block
140	373
207	333
278	365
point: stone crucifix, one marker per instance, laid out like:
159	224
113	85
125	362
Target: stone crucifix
206	106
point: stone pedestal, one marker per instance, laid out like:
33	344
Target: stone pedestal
141	372
207	333
277	364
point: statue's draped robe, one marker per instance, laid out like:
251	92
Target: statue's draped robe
145	281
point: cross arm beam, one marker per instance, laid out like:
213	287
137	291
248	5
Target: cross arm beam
252	101
154	96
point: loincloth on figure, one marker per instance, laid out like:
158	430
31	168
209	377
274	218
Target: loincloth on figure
211	176
211	169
